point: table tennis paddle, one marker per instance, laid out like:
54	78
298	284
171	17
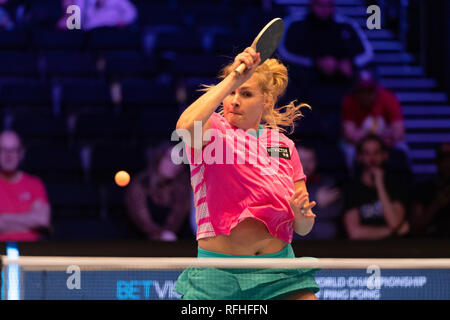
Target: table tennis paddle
267	41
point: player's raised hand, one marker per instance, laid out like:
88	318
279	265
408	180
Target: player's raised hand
251	59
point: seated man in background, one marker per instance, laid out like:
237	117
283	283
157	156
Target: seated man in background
159	199
374	201
322	189
430	207
24	207
371	109
325	50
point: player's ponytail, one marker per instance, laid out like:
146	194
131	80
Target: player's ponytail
272	76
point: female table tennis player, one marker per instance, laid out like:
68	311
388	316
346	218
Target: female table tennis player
246	209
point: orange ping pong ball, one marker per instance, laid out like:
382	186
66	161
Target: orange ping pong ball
122	178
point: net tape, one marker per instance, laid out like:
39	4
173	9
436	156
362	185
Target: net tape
55	263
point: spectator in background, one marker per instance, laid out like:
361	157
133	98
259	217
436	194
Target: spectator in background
159	199
24	207
430	207
371	109
17	13
374	201
101	13
6	22
326	50
323	190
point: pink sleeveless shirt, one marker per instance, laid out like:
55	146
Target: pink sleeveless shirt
238	176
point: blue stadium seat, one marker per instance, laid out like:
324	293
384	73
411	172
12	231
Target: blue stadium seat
102	128
39	127
131	64
18	64
214	18
70	64
180	42
147	93
114	39
25	93
84	94
13	40
156	122
54	163
45	39
205	65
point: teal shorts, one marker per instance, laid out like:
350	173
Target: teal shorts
244	284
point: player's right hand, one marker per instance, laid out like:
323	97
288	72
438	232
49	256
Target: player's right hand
251	59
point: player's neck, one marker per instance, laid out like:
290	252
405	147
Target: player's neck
12	176
253	126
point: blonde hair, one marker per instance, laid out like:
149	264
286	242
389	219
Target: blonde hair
272	78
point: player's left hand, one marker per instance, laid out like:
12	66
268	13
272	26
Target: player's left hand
301	206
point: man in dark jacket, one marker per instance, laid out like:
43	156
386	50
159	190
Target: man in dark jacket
325	50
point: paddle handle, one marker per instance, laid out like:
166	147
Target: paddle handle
241	68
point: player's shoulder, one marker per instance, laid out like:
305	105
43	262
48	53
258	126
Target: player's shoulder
282	137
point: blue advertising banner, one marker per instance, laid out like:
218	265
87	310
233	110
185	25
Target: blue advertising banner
389	284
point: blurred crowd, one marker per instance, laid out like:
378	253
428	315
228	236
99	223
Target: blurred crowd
95	14
371	195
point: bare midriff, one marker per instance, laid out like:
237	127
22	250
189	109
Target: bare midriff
250	237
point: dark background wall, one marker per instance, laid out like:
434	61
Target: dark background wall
389	248
435	36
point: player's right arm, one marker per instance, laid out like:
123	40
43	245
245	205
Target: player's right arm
206	104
